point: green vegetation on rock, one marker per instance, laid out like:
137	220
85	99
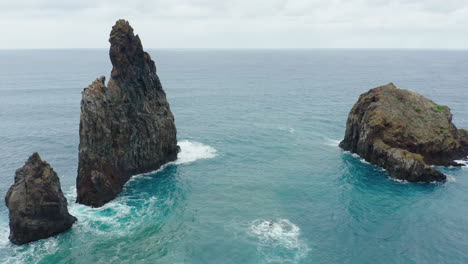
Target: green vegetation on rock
438	109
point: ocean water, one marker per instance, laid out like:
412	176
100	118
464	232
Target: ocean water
260	178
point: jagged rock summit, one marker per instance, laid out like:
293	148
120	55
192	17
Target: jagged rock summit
126	127
404	133
38	208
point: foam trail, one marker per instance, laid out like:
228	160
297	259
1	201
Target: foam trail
191	151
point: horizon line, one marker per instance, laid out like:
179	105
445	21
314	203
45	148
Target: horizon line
414	49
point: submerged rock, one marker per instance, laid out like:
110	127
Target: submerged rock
126	127
405	133
38	208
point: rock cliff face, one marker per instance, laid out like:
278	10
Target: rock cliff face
126	127
38	208
404	133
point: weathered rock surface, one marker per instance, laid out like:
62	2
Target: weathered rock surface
38	208
126	127
405	133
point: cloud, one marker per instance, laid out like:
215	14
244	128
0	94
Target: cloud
239	24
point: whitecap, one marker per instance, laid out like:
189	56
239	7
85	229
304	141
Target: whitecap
277	236
191	151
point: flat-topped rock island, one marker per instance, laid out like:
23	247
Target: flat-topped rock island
404	133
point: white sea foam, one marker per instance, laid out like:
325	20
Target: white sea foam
191	151
117	216
464	163
450	178
289	129
36	250
359	157
354	155
4	233
276	236
398	180
332	142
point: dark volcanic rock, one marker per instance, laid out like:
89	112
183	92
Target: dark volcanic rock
405	133
126	127
37	206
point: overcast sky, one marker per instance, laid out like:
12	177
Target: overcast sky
238	24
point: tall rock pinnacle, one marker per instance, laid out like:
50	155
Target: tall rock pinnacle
126	127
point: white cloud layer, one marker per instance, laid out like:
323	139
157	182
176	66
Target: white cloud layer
238	24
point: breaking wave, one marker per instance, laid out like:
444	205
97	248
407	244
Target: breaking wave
464	163
279	241
191	151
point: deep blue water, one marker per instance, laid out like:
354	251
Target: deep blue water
259	131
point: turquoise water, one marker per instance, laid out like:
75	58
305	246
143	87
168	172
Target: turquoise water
259	131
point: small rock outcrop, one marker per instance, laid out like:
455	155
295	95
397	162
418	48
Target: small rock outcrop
404	133
38	208
126	126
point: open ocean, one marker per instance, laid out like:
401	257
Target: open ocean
259	133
